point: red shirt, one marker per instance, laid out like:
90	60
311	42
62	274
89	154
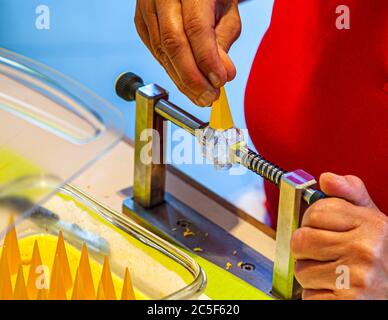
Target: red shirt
317	96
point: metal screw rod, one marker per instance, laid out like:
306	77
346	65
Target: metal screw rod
271	172
257	164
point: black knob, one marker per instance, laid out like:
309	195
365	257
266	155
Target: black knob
317	195
127	85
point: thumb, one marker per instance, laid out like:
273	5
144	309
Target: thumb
349	188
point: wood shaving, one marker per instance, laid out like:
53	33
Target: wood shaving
188	233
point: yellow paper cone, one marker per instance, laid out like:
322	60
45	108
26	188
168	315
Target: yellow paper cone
64	263
221	117
127	292
85	274
100	292
57	290
36	261
78	289
42	294
11	245
20	286
5	278
107	281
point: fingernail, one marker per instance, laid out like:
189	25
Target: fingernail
214	79
207	98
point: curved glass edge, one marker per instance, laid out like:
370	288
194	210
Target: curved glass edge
191	291
108	115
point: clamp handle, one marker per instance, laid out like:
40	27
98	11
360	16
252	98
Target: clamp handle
126	85
313	195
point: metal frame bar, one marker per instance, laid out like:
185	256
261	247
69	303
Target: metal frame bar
292	186
150	169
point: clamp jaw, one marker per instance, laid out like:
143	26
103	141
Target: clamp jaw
152	110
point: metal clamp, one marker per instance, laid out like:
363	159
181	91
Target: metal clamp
152	108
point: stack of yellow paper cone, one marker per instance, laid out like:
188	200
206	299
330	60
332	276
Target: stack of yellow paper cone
59	285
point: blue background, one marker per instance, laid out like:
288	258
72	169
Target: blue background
93	41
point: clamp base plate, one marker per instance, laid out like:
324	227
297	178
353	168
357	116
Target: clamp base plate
171	219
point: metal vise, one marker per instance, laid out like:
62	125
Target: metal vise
152	109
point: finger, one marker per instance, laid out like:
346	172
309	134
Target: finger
148	11
350	188
228	64
314	244
228	30
332	214
199	25
309	294
149	19
142	30
316	275
141	27
177	47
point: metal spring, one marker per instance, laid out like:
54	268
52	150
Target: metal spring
263	168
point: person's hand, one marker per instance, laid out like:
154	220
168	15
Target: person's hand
191	39
341	249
